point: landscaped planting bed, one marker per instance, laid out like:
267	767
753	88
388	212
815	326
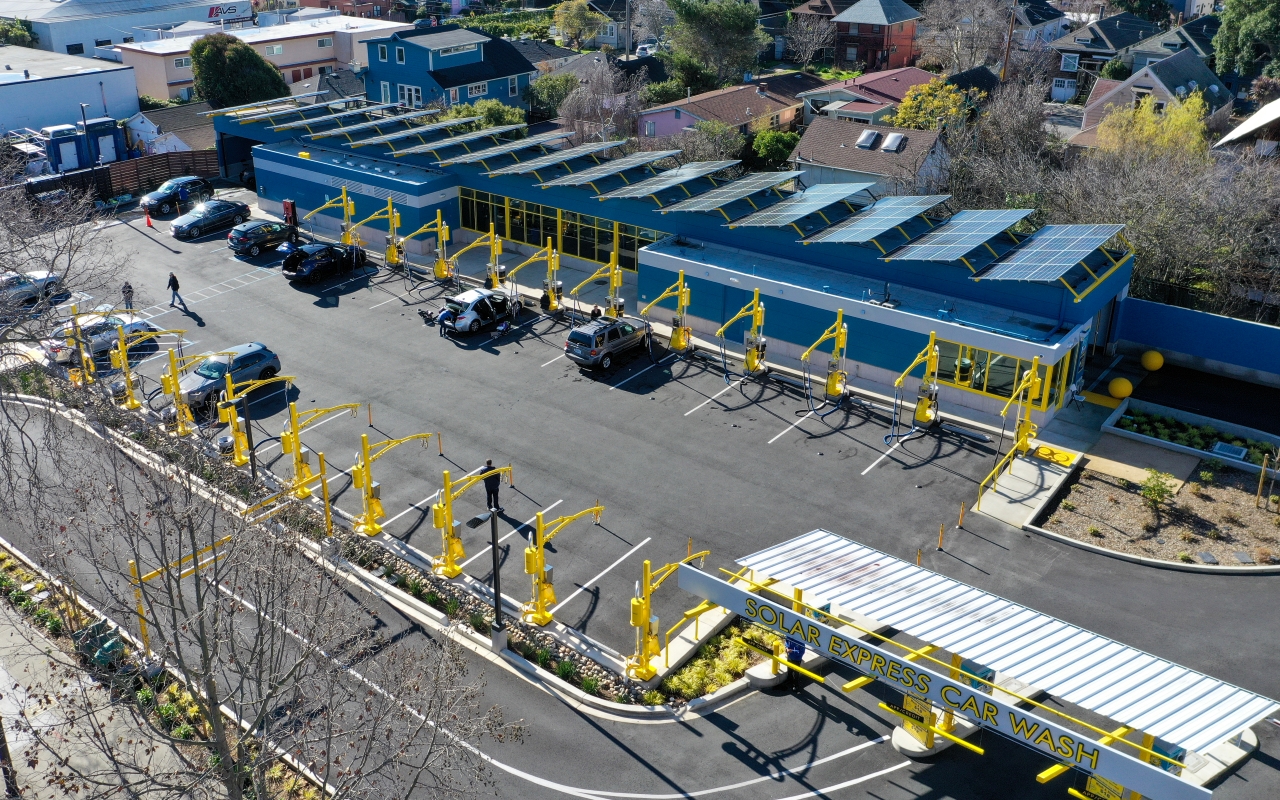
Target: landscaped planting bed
721	661
1200	437
1213	513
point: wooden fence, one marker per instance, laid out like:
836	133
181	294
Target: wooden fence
135	176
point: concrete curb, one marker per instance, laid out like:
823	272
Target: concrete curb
1152	562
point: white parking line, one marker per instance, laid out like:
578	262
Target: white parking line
714	396
638	374
581	588
308	428
412	506
554	360
882	457
392	300
165	354
511	532
269	396
791	427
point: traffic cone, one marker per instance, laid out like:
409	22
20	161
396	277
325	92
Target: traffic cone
147	213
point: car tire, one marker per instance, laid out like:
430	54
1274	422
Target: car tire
165	208
293	237
606	361
237	219
268	373
474	327
255	250
194	233
51	289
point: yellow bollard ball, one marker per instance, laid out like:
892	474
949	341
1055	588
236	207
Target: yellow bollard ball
1120	388
1152	360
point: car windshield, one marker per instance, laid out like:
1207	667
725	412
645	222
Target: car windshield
578	337
212	369
168	186
455	306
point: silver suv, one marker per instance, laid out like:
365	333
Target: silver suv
207	383
28	287
599	342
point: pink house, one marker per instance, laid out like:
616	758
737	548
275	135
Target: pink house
764	104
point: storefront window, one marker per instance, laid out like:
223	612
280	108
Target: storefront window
990	373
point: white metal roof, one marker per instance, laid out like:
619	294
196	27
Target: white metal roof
1134	688
1262	117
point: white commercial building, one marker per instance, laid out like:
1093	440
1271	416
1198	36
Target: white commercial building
76	27
39	89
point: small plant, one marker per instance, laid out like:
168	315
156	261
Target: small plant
432	599
167	712
43	615
451	606
416	588
591	685
17	597
653	697
1213	463
1157	488
543	657
54	626
1274	499
1186	558
145	697
566	669
479	622
1193	487
1214	534
27	607
1149	527
1111	498
1095	531
184	731
1067	505
1264	555
1231	518
1206	477
1124	484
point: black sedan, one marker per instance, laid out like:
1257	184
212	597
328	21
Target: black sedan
169	195
311	262
208	216
256	235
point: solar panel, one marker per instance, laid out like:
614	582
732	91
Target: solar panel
414	130
558	157
737	190
612	167
262	104
668	180
364	126
506	148
351	112
798	206
960	234
883	215
271	111
1049	253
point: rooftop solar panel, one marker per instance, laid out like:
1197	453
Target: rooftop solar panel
611	167
558	157
668	179
960	234
461	138
882	216
1049	253
263	104
506	148
373	123
727	193
351	112
799	206
414	130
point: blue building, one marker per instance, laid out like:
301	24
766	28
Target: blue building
996	292
446	65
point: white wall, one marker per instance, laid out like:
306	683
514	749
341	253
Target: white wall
57	35
56	100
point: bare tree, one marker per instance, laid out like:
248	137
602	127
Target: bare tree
961	34
650	18
606	103
808	35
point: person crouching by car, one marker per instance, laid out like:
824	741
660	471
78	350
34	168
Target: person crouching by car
444	316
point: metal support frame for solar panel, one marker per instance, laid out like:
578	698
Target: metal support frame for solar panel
962	233
263	104
504	149
1133	688
614	166
669	180
412	130
462	138
374	123
740	189
351	112
1052	252
282	109
800	205
878	219
554	159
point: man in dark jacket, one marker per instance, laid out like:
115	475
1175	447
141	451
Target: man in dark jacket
491	484
173	287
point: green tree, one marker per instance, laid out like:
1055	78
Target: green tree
929	106
774	147
577	22
723	34
1153	10
491	113
549	91
148	103
1248	38
1178	129
229	72
18	32
1114	70
689	72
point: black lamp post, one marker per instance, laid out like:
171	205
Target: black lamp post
499	631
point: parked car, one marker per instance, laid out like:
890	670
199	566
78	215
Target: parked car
28	287
480	308
311	262
646	50
256	235
99	332
599	342
209	216
207	384
166	198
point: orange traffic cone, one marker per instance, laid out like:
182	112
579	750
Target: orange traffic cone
147	213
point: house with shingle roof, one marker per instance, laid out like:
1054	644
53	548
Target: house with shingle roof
1082	52
894	159
446	64
878	33
769	103
866	98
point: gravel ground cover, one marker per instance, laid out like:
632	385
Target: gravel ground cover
1213	513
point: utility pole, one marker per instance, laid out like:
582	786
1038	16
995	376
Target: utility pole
1008	43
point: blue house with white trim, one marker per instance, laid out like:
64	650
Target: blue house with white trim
446	65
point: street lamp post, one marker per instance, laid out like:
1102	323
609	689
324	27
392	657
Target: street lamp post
499	630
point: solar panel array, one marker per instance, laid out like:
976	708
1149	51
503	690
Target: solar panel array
505	148
883	216
737	190
413	130
1050	253
798	206
960	234
669	179
271	111
231	109
373	123
558	157
612	167
351	112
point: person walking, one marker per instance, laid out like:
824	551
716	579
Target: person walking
173	287
126	292
491	484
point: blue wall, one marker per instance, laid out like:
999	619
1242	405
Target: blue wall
1200	335
417	69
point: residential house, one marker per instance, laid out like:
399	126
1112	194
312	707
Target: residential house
369	9
866	98
1169	80
878	33
1082	52
171	130
546	57
339	83
979	79
1038	23
651	66
1259	133
300	49
446	64
827	9
1196	35
771	103
613	32
894	159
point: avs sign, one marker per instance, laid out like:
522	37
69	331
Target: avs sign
1051	738
231	12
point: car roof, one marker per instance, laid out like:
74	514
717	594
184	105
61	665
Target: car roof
471	295
314	247
240	349
253	223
